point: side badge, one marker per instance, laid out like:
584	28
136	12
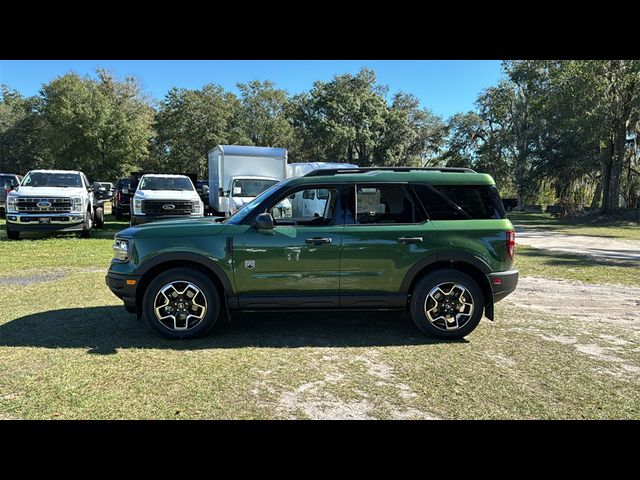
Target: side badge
250	264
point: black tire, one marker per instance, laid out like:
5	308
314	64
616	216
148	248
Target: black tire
12	234
99	217
86	227
118	213
3	213
420	303
180	276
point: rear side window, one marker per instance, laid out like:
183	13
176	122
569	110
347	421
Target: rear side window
385	204
460	202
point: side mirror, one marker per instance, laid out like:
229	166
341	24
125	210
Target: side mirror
205	189
264	221
221	192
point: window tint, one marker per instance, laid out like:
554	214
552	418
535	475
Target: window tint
385	204
465	201
307	208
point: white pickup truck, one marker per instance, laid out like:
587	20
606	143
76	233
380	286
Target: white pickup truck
160	197
53	200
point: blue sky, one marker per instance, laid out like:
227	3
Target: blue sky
444	86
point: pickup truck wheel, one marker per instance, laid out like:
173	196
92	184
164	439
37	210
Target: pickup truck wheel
181	303
447	304
99	217
88	223
119	215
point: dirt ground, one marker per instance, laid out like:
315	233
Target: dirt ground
603	247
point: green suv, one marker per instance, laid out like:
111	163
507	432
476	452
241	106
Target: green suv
433	241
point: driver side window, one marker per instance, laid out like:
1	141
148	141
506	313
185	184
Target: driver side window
306	207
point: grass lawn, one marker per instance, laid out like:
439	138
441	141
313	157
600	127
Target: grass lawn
597	227
69	350
545	263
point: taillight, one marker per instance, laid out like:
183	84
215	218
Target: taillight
511	242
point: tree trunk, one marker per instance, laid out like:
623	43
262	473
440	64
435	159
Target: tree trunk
617	163
596	196
606	155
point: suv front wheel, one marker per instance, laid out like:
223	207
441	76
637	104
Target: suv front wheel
181	303
447	304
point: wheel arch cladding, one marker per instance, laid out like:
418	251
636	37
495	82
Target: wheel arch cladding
472	266
152	268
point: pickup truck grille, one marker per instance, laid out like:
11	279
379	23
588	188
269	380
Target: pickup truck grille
161	207
43	205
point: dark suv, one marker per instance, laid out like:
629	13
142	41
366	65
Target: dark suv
435	242
8	181
122	198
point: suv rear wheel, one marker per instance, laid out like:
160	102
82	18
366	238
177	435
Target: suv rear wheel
181	303
447	304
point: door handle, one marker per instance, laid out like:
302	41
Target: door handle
410	240
317	241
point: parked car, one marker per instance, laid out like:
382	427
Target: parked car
8	181
103	190
202	187
53	200
435	242
161	197
122	198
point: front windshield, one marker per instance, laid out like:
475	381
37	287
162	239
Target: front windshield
241	214
250	188
47	179
165	183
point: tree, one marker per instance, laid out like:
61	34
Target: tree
192	122
263	114
21	133
101	127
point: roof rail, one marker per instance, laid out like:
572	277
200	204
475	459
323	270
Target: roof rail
338	171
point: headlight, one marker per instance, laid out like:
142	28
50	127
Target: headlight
137	207
11	204
121	252
196	206
76	204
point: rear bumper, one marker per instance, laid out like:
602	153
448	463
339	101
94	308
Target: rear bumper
124	291
503	283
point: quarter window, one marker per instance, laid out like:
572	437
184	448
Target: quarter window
459	202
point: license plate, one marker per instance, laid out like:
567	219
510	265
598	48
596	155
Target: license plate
44	220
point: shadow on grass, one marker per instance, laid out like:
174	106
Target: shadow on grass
555	258
111	227
104	330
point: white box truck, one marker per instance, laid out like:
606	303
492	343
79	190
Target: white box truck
238	174
311	202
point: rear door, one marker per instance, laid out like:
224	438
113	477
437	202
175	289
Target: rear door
386	233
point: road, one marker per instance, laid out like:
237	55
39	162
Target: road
603	247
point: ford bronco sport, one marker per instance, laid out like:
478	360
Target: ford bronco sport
433	242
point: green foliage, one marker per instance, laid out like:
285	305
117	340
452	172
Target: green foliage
192	122
101	127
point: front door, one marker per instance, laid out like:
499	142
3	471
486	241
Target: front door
297	264
382	240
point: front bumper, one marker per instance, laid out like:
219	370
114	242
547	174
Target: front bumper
121	286
503	283
45	222
140	219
